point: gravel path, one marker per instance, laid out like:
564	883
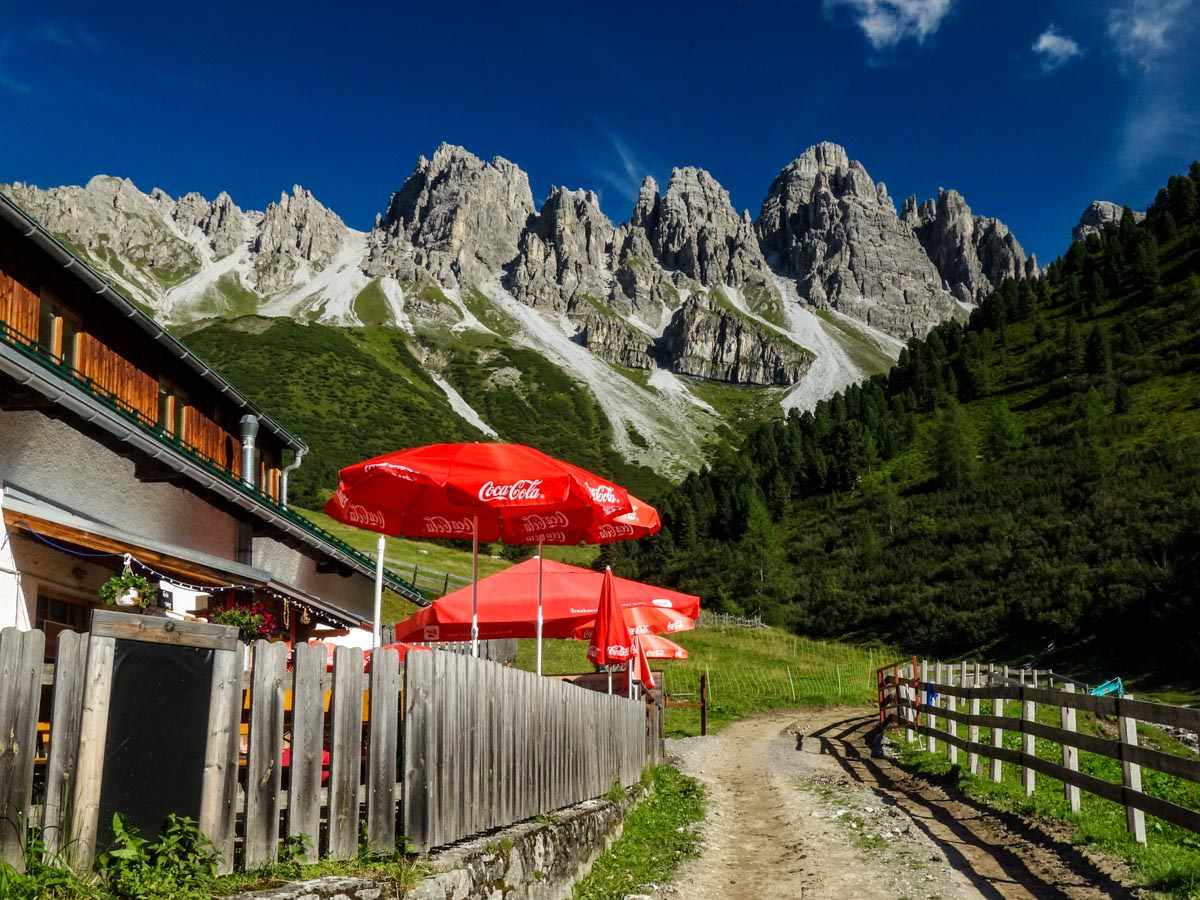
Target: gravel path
802	805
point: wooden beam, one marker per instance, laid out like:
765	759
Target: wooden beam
18	398
171	565
154	472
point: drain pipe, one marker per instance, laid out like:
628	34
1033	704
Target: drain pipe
283	479
249	426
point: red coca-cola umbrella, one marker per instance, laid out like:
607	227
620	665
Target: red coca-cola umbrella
403	649
655	646
489	492
570	602
639	667
611	643
644	620
641	521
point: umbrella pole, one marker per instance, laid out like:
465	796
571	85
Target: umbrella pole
475	584
379	550
609	679
539	616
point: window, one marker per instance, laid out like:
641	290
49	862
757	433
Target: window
58	612
58	331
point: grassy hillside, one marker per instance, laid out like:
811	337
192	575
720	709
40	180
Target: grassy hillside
1032	477
748	669
351	394
354	393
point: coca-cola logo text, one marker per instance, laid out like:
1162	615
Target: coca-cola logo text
546	537
605	495
393	469
607	532
521	489
356	514
442	525
534	523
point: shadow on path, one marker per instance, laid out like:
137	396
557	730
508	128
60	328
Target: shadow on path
998	852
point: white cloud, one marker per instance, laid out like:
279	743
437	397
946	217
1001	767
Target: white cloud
624	174
1142	30
888	22
24	45
1155	42
1055	49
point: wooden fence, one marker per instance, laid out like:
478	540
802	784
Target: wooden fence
433	583
437	749
936	701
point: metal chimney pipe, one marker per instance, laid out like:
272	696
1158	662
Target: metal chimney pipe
249	425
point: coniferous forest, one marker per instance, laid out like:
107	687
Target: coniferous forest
1029	476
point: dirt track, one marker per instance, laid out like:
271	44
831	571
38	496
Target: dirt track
799	806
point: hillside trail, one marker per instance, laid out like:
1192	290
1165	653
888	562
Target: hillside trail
803	804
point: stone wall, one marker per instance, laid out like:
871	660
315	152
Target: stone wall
535	860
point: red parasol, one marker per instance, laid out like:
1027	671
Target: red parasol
639	666
402	648
489	492
611	642
508	605
644	620
516	492
655	646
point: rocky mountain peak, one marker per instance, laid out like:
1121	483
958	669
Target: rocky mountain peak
645	211
826	168
296	229
110	215
462	218
221	222
1096	216
972	253
564	254
698	232
828	225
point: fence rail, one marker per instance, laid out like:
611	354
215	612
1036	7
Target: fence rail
924	700
432	583
437	748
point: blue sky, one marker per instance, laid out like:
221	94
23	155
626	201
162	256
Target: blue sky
1030	109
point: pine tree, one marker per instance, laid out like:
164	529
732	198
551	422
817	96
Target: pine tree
1097	355
953	453
1122	402
1003	433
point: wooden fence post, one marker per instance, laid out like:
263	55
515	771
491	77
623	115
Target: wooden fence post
973	728
263	776
21	655
381	757
997	733
1070	755
69	664
1135	819
345	763
308	745
930	702
952	705
1028	744
910	714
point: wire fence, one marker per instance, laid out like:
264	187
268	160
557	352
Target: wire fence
781	671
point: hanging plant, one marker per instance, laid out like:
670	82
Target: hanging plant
128	589
252	622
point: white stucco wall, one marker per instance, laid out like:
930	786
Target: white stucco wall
354	593
50	459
